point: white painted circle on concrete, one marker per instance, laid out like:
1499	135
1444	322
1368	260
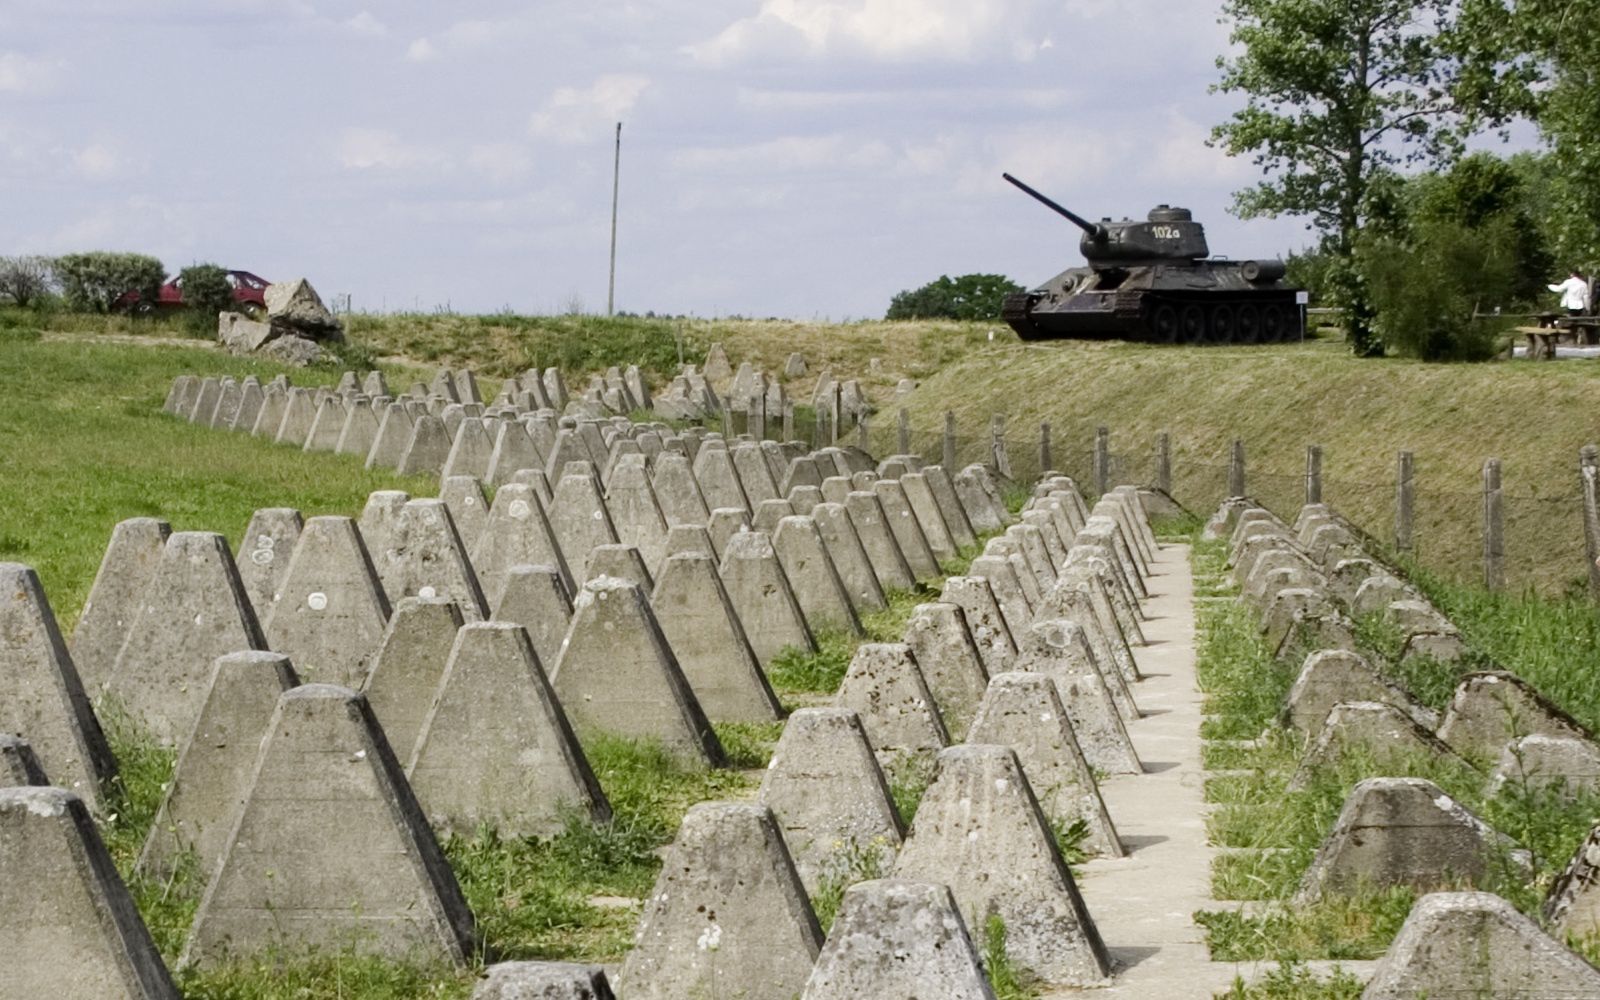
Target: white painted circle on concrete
427	592
317	601
261	557
519	510
265	541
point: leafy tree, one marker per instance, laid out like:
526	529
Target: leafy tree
1340	93
1545	59
1428	289
206	293
1483	192
25	280
94	282
971	296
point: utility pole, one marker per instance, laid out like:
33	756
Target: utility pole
616	177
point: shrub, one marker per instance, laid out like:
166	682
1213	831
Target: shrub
93	282
206	293
1427	289
971	296
25	280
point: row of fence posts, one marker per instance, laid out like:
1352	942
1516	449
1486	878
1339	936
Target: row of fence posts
829	430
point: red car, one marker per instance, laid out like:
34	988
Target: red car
249	294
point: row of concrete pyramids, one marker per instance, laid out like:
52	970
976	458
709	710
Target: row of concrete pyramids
1310	581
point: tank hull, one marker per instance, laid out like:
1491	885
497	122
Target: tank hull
1199	303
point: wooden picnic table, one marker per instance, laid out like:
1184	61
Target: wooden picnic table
1555	329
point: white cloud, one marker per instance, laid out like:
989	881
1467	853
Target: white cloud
500	161
880	29
22	74
462	36
788	153
421	50
97	162
365	23
381	149
572	114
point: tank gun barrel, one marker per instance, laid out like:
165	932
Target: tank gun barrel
1096	232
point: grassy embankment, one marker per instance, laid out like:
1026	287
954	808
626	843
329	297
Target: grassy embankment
87	446
1275	831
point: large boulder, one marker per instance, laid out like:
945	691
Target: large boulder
242	335
293	350
295	307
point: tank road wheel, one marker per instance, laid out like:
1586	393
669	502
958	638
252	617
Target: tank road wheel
1164	324
1221	326
1194	324
1248	324
1015	309
1272	324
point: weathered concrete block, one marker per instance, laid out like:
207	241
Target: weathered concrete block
1089	562
359	431
470	451
727	916
326	425
1445	646
718	479
829	796
710	643
1072	599
408	666
984	619
125	571
535	597
205	401
299	413
1278	621
469	508
617	674
1057	650
1376	593
517	532
1404	831
429	447
878	538
422	556
884	686
1331	676
979	830
212	775
930	519
251	399
1008	550
1565	764
1492	708
907	531
724	524
579	518
395	429
264	552
330	849
1030	542
689	538
514	450
951	663
849	557
69	929
377	523
678	492
1376	730
1475	944
495	748
622	562
1024	712
761	595
193	611
18	765
898	938
755	477
812	576
331	611
636	512
835	489
769	513
543	981
269	417
981	499
1008	591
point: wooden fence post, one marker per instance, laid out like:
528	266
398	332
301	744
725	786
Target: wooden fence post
1494	528
1102	460
1405	503
1045	458
1236	480
1164	463
838	413
949	455
997	445
1589	470
1314	473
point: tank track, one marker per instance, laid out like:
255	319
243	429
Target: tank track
1267	318
1014	310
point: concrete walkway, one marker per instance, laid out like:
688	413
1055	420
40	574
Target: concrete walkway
1143	903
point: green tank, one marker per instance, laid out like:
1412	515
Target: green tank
1156	281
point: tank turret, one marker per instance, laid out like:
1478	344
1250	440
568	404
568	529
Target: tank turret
1154	280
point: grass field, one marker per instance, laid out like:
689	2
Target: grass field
1273	831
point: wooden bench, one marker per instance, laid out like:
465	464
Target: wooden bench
1541	341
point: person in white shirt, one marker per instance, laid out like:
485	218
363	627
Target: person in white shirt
1574	294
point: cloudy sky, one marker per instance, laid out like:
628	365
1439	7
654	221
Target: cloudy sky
799	158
